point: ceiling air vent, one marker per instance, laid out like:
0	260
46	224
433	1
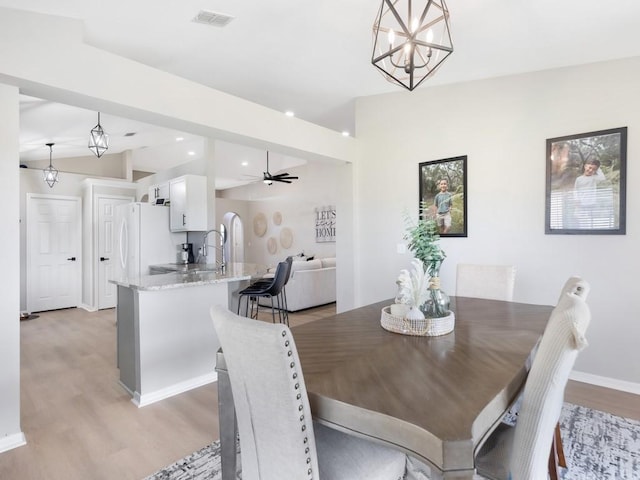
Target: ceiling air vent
212	18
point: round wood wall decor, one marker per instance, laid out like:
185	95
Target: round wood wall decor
272	245
277	218
286	237
260	224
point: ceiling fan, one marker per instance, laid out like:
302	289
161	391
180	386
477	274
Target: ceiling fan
268	178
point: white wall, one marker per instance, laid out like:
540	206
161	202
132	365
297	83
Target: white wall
296	202
502	125
10	431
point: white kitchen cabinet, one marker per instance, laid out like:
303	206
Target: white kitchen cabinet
188	207
159	191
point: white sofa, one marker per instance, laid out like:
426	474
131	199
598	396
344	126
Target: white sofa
312	283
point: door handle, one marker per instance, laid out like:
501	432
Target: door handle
73	259
184	219
102	259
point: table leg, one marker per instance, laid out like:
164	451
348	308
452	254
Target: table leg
228	427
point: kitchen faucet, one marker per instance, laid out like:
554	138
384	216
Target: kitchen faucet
223	239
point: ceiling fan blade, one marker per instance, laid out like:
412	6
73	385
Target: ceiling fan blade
284	177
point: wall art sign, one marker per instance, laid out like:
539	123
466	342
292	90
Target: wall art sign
443	191
586	183
326	224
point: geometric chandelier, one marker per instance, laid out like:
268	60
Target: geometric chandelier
411	39
98	140
50	173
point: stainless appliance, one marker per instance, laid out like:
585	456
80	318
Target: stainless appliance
144	239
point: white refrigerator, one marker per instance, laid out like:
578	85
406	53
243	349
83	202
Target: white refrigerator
144	239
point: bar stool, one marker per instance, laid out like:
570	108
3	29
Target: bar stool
268	288
283	293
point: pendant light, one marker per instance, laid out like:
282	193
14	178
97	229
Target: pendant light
411	39
50	173
98	140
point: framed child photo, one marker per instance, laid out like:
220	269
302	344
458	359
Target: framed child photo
586	183
443	192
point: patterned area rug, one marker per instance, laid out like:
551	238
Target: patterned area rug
597	446
201	465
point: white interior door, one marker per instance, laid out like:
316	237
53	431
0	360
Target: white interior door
107	245
54	252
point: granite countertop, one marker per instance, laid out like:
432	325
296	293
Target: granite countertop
183	268
188	277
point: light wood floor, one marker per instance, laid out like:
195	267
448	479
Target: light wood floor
80	424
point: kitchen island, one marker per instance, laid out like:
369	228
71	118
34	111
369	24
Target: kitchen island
165	338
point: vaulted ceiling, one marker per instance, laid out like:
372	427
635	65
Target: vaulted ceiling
314	57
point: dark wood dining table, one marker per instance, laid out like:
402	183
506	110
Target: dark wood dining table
435	398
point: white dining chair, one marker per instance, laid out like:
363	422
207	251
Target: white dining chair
522	452
278	439
494	282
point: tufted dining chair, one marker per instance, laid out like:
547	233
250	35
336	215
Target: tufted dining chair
494	282
522	453
278	439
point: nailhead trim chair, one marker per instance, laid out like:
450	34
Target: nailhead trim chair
278	439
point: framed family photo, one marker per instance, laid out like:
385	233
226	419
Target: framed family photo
443	192
586	183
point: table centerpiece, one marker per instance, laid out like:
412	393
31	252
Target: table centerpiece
424	242
426	309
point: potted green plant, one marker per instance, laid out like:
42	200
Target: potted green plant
423	241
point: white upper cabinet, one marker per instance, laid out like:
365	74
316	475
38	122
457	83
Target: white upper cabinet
159	192
188	207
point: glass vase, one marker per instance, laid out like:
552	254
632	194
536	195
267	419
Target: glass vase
437	303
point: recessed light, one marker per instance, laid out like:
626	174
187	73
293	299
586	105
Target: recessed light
289	113
345	133
191	153
245	163
179	139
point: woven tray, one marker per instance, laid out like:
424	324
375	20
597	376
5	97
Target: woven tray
428	327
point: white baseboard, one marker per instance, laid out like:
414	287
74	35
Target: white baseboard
606	382
153	397
12	441
88	308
